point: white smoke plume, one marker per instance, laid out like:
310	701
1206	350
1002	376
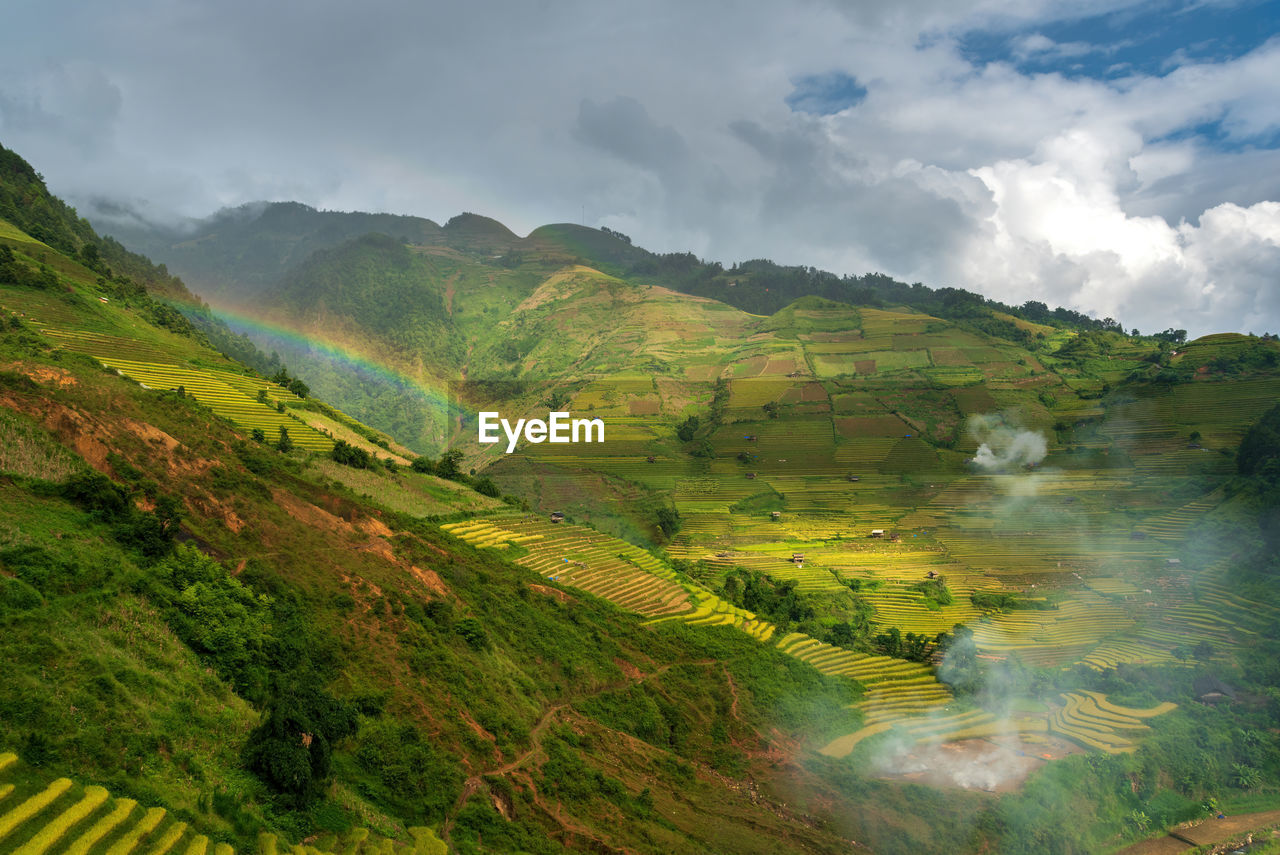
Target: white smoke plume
1002	446
994	762
972	764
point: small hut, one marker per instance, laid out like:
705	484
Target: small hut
854	478
797	558
751	476
557	516
776	515
651	459
877	532
1212	691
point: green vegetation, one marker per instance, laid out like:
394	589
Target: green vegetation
274	624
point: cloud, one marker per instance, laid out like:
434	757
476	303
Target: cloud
1059	231
74	106
854	137
622	127
1041	48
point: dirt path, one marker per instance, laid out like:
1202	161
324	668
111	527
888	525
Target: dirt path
733	690
1204	833
475	782
449	291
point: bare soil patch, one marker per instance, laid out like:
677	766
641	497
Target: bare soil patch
553	592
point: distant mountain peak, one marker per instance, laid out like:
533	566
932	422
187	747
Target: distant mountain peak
469	223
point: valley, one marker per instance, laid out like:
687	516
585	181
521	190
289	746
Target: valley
903	572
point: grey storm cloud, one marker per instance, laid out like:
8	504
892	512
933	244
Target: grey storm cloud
855	137
623	127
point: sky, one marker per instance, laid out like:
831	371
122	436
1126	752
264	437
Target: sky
1115	157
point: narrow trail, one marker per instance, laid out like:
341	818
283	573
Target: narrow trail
733	691
476	781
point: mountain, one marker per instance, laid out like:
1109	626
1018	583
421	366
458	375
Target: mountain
245	639
247	248
916	574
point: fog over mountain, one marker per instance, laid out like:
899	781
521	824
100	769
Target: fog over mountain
1118	158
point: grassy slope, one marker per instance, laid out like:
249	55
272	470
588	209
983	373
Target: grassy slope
548	703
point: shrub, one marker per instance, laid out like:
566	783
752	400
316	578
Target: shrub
472	632
349	455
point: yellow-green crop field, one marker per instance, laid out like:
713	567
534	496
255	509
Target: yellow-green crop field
61	817
596	563
232	396
871	431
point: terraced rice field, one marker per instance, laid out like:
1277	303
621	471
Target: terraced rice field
713	611
230	395
1089	719
596	563
1173	525
1055	636
806	575
635	580
1093	531
898	605
1086	718
64	818
224	399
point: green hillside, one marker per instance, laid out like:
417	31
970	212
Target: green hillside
251	648
897	572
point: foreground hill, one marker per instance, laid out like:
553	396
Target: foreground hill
245	644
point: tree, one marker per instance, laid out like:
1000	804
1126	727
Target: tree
557	401
842	635
298	388
284	443
262	396
686	429
472	632
448	467
423	465
291	750
259	435
1245	777
668	521
1172	336
349	455
960	668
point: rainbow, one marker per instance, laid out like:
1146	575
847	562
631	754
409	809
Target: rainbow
270	335
258	329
